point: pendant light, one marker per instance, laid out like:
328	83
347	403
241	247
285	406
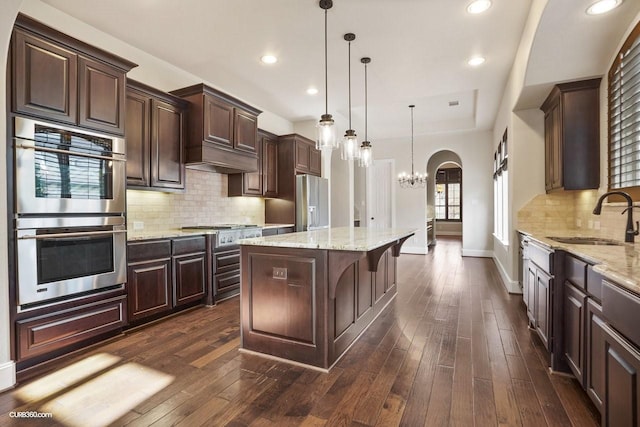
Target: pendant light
350	149
366	156
326	130
415	180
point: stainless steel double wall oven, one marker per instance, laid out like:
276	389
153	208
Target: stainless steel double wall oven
70	188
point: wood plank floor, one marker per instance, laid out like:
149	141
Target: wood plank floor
453	348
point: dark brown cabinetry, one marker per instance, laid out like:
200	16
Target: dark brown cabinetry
539	286
223	131
574	333
226	279
164	275
264	182
59	78
296	155
155	134
572	136
189	269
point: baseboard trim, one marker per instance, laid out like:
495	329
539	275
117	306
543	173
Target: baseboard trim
479	253
7	375
512	286
417	250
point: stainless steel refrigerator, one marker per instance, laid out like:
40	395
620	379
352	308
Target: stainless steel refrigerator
312	202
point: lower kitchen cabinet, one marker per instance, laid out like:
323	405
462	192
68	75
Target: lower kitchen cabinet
163	275
595	353
226	265
148	278
574	334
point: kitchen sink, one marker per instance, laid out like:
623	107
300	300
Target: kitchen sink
586	241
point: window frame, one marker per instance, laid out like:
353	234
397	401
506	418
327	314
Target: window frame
448	181
634	191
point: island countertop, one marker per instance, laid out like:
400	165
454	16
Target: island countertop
340	238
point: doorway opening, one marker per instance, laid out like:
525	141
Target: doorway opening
444	211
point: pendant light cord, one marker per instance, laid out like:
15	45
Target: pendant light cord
365	103
350	86
412	143
326	68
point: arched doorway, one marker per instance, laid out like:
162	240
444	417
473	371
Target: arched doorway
444	196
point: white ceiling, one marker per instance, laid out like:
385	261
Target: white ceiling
419	50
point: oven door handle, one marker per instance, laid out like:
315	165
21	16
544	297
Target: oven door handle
68	235
55	150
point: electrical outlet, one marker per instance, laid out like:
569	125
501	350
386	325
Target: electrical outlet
590	224
280	273
138	225
596	225
578	223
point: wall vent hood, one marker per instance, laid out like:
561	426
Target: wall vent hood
222	130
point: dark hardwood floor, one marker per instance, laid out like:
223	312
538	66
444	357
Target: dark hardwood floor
453	348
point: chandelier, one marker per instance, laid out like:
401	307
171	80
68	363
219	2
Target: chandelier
415	180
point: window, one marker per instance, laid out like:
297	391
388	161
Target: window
501	191
448	203
624	117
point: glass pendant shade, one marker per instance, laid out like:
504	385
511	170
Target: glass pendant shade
366	155
350	148
327	139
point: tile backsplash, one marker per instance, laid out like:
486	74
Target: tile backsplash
573	210
205	202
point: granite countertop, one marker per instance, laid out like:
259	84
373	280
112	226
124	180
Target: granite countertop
620	264
341	239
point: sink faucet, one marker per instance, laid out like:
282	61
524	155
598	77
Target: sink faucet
631	232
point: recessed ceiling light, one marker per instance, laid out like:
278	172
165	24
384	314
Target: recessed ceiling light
312	91
478	6
269	59
603	6
454	103
475	61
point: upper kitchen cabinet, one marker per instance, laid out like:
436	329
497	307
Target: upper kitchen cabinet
56	77
265	181
155	132
306	160
223	131
572	136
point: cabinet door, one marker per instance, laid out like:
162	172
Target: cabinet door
245	131
315	161
525	282
557	141
574	333
269	167
102	96
136	134
531	288
543	298
595	354
303	157
45	79
548	150
252	182
149	288
622	399
189	278
167	130
218	122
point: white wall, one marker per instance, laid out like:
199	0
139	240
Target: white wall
476	155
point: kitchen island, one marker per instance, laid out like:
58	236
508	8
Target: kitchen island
306	297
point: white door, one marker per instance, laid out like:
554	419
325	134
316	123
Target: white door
380	194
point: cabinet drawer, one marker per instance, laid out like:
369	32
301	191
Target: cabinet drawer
622	310
594	284
145	250
542	257
52	332
189	245
575	271
227	281
285	230
226	260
